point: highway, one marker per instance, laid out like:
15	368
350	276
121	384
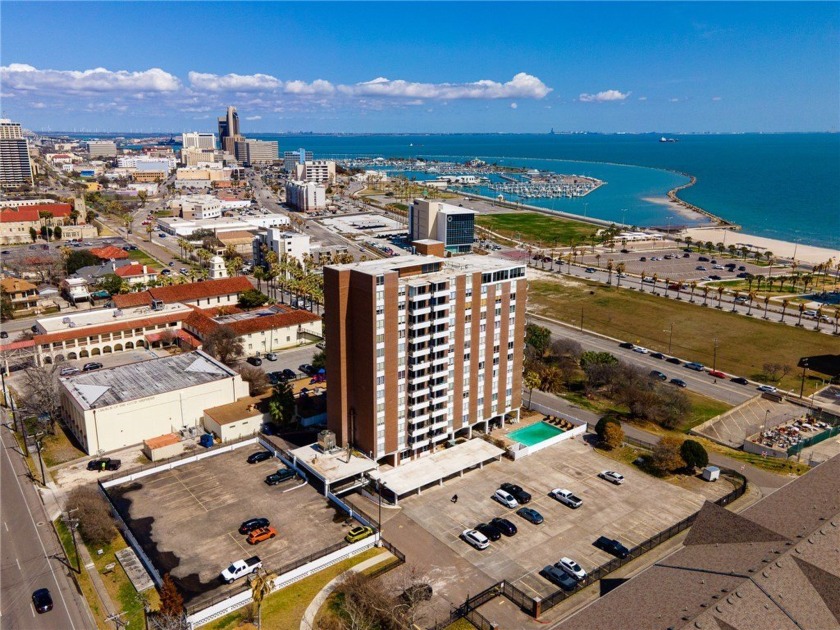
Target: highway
28	545
699	382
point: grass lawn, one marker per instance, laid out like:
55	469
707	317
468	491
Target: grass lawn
83	580
143	258
744	344
702	408
59	448
537	228
461	624
285	608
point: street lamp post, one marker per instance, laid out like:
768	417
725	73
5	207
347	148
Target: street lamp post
670	336
714	357
802	384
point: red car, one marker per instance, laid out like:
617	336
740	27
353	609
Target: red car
717	374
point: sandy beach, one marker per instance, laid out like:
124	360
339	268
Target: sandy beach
781	249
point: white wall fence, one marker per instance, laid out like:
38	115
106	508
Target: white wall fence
239	600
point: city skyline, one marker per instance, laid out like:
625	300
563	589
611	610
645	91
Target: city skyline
471	67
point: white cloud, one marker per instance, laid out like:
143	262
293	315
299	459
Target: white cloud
253	117
521	86
513	105
319	86
717	98
603	97
643	98
673	100
234	82
25	78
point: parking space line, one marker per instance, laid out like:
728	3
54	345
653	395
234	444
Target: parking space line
193	496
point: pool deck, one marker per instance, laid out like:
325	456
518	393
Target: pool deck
549	431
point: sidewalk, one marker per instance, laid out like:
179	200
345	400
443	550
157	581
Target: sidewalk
308	621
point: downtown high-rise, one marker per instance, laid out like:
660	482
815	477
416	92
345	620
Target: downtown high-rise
15	163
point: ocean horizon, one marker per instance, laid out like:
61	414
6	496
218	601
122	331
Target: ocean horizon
778	185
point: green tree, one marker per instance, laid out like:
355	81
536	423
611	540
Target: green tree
666	455
257	380
532	380
601	426
590	358
57	232
319	360
694	455
281	406
538	338
111	283
252	298
33	234
79	258
613	435
6	309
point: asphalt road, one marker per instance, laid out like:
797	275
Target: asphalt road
699	382
28	546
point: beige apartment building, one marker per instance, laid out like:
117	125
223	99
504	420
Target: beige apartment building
421	349
318	171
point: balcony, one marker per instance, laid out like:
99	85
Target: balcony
420	365
419	352
418	444
421	338
441	361
420	325
443	424
418	418
418	431
420	404
418	379
440	387
423	310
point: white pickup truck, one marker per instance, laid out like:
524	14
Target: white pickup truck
241	568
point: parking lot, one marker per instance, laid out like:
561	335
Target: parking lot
186	519
631	512
676	268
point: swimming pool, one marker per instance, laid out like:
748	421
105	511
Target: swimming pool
535	433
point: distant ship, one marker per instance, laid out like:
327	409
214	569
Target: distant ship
551	133
664	139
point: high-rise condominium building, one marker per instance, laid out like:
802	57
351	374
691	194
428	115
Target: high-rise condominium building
102	148
229	130
421	349
306	196
198	140
15	164
290	158
259	152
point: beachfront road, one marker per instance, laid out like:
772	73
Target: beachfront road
28	546
700	382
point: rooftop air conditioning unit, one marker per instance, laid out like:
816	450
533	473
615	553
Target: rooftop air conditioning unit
157	305
72	324
65	320
326	440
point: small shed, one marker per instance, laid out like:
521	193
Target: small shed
163	447
711	473
237	419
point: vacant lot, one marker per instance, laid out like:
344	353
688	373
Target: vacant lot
186	519
537	228
632	512
744	344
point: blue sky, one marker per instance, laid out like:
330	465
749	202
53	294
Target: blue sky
422	67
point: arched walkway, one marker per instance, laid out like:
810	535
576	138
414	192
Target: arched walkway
71	356
48	360
59	358
95	352
129	346
84	354
106	350
118	347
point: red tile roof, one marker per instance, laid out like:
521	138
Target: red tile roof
185	292
16	215
134	270
201	322
109	253
56	209
87	331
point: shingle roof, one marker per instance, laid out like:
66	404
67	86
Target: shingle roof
185	292
16	285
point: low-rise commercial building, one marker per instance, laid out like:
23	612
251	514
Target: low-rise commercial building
75	290
113	408
292	245
242	242
196	206
454	226
306	196
185	227
207	294
16	222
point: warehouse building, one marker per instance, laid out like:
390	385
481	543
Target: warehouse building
108	409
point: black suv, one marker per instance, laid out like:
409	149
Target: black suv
612	547
504	526
284	474
253	523
491	531
106	463
626	344
254	360
288	374
260	456
516	492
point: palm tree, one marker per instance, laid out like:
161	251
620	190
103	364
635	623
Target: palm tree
655	280
609	271
667	286
259	276
759	279
744	251
619	270
262	583
598	260
693	286
705	295
720	295
766	305
750	298
801	312
642	282
819	316
732	250
785	303
688	241
836	319
720	247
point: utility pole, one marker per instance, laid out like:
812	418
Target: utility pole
72	523
118	623
714	357
38	445
802	384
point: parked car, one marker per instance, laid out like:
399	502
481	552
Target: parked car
740	380
42	601
516	492
679	382
703	259
626	344
254	360
674	360
69	371
358	533
271	356
104	463
253	523
530	515
475	538
491	531
240	568
321	345
93	365
697	367
572	568
566	497
612	476
590	270
700	268
261	534
657	374
717	374
505	499
641	350
504	526
4	334
307	369
643	259
767	388
742	268
657	355
288	374
259	456
559	577
284	474
612	547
